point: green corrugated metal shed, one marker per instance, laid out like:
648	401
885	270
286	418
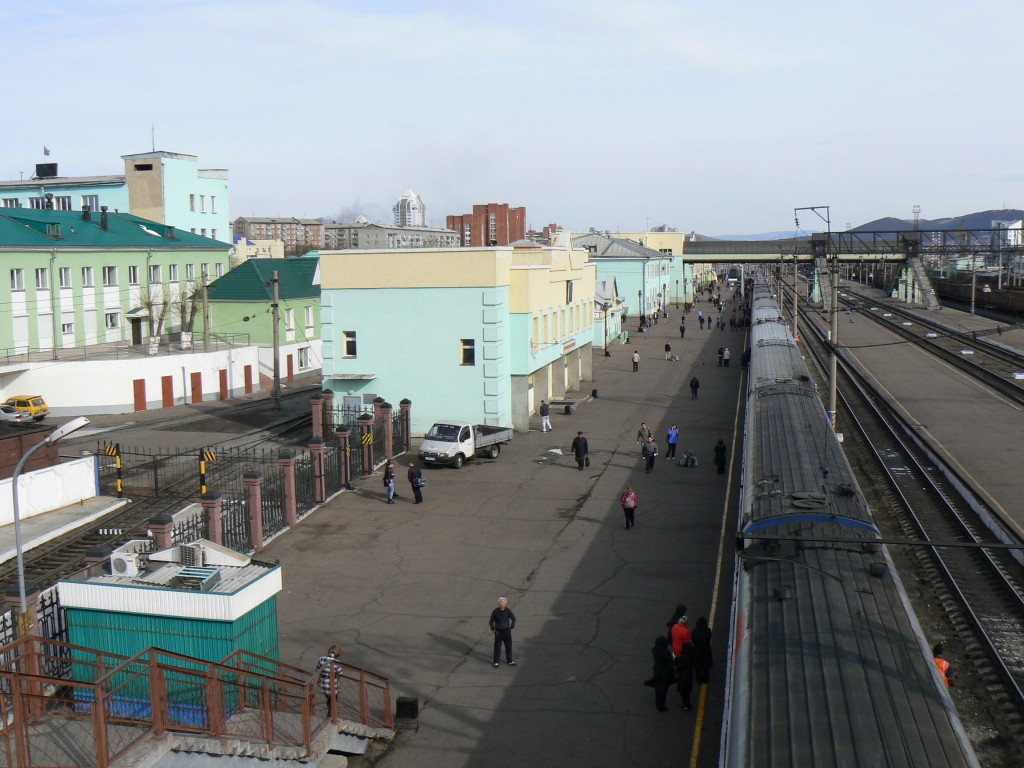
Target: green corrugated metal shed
30	228
128	634
250	281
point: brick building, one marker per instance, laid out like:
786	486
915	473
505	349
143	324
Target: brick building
489	225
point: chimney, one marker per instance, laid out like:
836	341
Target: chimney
104	221
86	213
48	205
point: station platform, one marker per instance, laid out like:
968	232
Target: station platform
39	529
407	589
975	430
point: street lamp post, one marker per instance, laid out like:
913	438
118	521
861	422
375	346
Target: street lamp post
53	437
677	294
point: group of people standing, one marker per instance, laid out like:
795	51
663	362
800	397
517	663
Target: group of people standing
681	656
414	476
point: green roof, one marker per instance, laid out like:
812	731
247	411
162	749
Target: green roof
30	228
250	281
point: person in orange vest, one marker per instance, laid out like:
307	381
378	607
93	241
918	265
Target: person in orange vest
943	665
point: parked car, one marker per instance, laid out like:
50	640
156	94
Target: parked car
453	442
12	415
34	405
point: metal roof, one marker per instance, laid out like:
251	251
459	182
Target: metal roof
30	228
250	280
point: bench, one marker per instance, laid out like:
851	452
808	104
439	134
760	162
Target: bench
569	406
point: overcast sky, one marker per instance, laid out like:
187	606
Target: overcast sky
713	116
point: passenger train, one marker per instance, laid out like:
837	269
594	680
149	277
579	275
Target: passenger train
828	665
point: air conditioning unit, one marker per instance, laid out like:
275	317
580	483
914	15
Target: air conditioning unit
125	563
191	555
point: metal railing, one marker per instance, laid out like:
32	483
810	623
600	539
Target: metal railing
105	703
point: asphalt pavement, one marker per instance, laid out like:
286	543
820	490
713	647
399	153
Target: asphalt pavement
406	590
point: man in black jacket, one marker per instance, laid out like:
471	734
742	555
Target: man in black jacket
416	481
502	622
580	449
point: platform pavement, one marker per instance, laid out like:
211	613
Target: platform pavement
39	529
406	590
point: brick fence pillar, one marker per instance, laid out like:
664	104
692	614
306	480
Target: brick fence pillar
345	446
316	448
386	411
286	461
317	405
378	403
28	623
162	527
211	502
366	440
328	396
406	405
253	481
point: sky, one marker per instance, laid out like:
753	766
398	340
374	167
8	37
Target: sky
713	116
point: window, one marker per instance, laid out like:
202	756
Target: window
190	271
468	352
62	203
11	202
289	320
203	231
213	204
348	343
110	276
87	277
17	279
192	204
205	270
309	317
67	328
172	273
93	201
218	269
113	320
133	275
65	277
193	230
37	203
154	273
202	203
303	358
42	279
213	233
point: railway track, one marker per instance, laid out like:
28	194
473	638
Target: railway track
979	588
1000	367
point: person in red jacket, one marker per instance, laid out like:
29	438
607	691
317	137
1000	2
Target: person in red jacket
680	634
943	665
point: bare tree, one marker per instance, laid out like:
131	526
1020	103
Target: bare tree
186	304
156	305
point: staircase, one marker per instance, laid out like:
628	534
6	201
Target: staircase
67	706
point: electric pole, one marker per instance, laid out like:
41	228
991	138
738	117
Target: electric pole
277	345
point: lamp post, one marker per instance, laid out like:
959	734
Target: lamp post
677	294
53	437
606	306
639	302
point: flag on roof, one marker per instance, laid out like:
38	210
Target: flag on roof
46	152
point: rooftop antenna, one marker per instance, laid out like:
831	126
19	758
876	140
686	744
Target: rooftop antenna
152	135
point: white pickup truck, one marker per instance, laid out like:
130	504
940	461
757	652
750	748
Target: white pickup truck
453	442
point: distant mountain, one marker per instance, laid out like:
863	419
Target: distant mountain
979	220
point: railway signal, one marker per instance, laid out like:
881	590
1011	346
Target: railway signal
204	456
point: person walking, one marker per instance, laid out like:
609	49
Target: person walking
721	351
694	386
416	480
684	674
720	456
389	480
682	330
671	439
726	354
642	434
668	351
581	450
650	452
502	622
545	416
329	669
702	650
636	361
628	501
663	673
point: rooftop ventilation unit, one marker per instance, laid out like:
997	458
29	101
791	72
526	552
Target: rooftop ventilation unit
192	555
198	579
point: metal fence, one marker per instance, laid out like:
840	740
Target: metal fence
273	502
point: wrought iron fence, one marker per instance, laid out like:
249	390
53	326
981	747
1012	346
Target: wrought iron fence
234	515
333	458
348	416
305	483
397	434
273	502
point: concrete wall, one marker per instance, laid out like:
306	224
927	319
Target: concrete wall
108	386
47	489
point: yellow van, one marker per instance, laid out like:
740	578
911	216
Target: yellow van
31	404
